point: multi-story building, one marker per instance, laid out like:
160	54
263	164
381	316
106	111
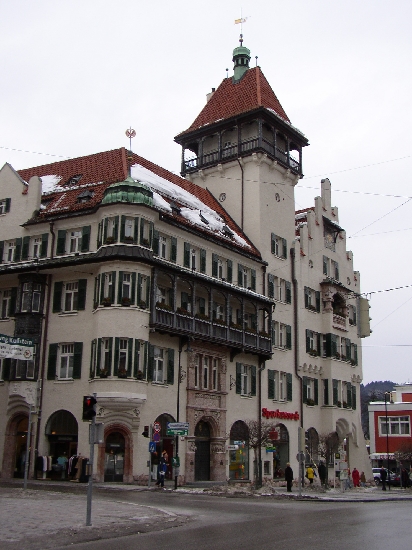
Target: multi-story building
390	428
203	299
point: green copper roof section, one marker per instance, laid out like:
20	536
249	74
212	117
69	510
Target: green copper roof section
241	58
130	191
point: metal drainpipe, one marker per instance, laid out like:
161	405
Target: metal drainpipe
296	336
243	193
261	367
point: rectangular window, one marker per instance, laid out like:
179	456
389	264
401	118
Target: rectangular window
123	350
352	315
159	367
4	206
36	298
5	304
108	285
245	380
66	361
127	286
106	355
25	299
37	247
160	295
11	251
214	374
282	386
398	425
128	228
71	296
205	374
278	246
75	241
163	247
196	373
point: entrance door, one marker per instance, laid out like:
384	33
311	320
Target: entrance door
21	445
202	454
114	457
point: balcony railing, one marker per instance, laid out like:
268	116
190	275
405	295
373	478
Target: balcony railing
212	331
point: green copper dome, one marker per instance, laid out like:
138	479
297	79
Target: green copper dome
129	191
241	58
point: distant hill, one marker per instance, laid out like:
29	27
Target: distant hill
374	391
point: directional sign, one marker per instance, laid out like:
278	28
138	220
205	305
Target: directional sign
156	427
232	447
152	446
156	437
177	428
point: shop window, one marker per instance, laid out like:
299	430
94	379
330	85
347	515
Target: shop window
239	453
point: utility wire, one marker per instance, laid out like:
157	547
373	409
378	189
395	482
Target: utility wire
33	152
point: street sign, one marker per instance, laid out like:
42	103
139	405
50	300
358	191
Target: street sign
177	428
232	447
152	446
300	457
156	427
176	462
156	437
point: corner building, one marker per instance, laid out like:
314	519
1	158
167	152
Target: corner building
203	299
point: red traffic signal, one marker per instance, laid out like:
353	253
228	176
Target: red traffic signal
88	407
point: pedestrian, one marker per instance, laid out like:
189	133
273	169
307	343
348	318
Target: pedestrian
383	474
322	473
355	477
162	469
310	473
404	478
288	477
363	479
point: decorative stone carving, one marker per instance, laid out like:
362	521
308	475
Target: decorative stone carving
217	448
191	446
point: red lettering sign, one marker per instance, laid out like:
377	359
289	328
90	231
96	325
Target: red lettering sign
280	414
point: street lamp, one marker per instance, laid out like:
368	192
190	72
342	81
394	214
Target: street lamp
180	377
387	439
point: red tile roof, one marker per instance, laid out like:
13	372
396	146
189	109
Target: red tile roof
234	98
101	170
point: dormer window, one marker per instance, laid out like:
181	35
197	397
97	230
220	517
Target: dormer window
175	208
227	232
85	196
74	180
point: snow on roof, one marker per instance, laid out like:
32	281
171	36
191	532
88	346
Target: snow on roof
50	183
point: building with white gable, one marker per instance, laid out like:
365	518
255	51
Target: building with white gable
203	299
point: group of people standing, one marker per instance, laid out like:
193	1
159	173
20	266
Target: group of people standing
310	474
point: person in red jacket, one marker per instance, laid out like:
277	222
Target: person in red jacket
355	477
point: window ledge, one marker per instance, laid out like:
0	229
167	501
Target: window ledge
67	313
246	396
5	320
64	380
160	384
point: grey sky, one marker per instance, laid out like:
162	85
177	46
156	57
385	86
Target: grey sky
76	74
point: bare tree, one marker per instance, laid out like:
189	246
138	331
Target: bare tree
404	451
328	446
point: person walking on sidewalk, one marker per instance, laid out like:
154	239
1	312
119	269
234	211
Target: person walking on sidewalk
310	473
288	477
384	474
322	473
162	469
355	477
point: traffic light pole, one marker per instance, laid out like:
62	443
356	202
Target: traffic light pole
90	469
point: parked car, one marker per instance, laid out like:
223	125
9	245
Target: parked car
393	477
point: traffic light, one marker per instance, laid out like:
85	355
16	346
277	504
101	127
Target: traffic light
88	407
145	432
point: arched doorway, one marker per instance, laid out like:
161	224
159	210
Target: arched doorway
20	447
202	453
280	438
114	457
239	453
62	434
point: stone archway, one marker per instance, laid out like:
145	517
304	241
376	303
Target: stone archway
123	434
202	452
15	446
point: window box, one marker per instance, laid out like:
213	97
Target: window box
311	307
139	375
313	353
163	305
143	304
122	373
250	330
202	317
109	240
353	362
103	373
339	404
345	405
236	326
264	334
107	302
126	302
145	242
128	240
221	322
183	311
310	403
337	355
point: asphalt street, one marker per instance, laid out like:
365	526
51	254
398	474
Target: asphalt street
54	516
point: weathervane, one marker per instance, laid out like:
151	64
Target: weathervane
130	133
241	21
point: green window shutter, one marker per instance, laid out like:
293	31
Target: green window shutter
129	356
156	242
150	361
145	359
57	297
173	249
328	345
288	337
44	244
85	238
61	242
120	288
202	306
318	340
355	353
306	296
325	265
96	291
289	387
116	356
122	228
139	289
316	386
305	389
284	248
335	391
136	366
288	287
214	265
116	229
8	203
170	366
240	274
229	271
271	384
253	279
99	234
133	293
99	356
136	231
147	292
317	297
81	296
77	359
337	271
271	285
13	302
105	223
17	255
142	223
354	398
1	251
239	378
6	368
334	344
272	243
202	260
326	391
151	227
110	355
349	395
253	380
93	359
52	362
186	255
25	248
113	296
307	340
348	349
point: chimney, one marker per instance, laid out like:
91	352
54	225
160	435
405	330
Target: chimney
209	95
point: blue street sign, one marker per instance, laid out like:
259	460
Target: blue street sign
152	447
156	437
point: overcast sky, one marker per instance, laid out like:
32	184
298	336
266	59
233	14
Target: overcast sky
76	74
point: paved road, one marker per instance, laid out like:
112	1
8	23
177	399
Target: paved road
44	517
